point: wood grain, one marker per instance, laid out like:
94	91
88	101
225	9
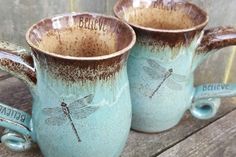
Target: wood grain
35	152
14	93
150	145
4	75
216	140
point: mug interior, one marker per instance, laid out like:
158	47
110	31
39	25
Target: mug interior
161	14
80	35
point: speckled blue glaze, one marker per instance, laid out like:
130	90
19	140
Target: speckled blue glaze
171	44
103	132
162	110
81	105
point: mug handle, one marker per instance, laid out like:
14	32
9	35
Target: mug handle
206	99
18	135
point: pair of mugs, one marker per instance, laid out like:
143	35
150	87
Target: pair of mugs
77	75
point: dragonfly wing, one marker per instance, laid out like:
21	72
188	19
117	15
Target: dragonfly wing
156	66
152	73
56	121
179	78
170	83
77	105
84	112
52	111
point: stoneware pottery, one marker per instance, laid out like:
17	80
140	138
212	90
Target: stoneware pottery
171	43
77	75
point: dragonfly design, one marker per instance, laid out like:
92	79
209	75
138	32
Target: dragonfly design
157	72
78	109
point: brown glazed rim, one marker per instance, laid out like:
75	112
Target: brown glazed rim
196	27
117	53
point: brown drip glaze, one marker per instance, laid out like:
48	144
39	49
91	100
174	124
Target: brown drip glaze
165	39
217	38
18	63
74	70
94	47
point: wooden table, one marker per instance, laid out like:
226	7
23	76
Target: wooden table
191	138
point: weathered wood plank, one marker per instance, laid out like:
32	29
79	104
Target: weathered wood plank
148	145
35	152
14	93
98	6
4	75
109	6
216	140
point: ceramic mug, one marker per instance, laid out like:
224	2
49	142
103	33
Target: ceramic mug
77	75
171	43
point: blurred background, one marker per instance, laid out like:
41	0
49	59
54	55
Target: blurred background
17	16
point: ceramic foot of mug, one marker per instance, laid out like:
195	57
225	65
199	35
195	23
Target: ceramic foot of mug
151	126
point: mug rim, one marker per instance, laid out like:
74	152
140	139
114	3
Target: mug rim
194	28
112	55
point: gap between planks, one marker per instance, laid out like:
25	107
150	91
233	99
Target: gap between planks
194	132
4	76
215	140
149	145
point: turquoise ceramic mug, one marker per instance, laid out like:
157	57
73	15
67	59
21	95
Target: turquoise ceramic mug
171	43
77	75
